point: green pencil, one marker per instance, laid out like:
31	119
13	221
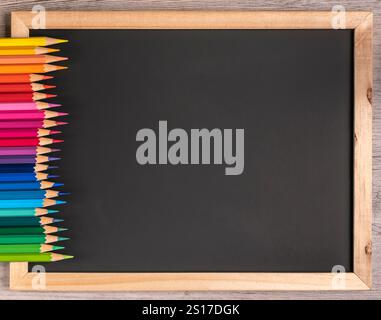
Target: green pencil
27	221
30	230
31	212
29	239
28	248
32	257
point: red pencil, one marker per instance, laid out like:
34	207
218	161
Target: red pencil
27	142
23	87
22	78
31	115
24	97
26	133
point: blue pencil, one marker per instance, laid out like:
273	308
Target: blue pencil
27	212
36	185
30	194
25	176
29	203
24	167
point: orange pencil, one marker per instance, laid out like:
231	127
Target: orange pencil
29	68
23	87
30	59
22	78
24	97
19	51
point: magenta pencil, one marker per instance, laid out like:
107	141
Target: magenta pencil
30	124
25	151
31	115
26	106
26	133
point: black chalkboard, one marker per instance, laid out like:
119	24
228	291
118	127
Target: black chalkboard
291	208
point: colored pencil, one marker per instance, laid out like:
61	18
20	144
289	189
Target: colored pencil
23	78
30	230
30	115
30	59
29	239
24	167
30	124
26	133
29	203
22	51
26	159
26	106
29	68
28	212
29	42
27	221
25	151
25	176
35	185
28	248
31	194
28	142
23	87
25	97
33	257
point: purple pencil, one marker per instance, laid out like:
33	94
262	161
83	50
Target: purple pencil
30	124
26	159
25	151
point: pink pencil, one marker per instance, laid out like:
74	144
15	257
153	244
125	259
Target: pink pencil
32	115
24	151
21	106
30	124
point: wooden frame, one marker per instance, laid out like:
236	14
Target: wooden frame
360	279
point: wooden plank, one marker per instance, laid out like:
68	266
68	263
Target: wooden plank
363	151
20	280
22	20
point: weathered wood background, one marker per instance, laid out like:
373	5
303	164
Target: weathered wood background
7	6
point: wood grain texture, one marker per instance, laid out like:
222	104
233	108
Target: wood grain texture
9	5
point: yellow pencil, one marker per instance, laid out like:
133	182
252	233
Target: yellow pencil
29	68
27	42
21	51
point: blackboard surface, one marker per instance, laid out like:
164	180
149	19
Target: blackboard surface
290	210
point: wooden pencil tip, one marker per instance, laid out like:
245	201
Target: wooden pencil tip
46	77
48	95
49	87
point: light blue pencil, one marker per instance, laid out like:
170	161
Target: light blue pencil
29	203
30	194
37	185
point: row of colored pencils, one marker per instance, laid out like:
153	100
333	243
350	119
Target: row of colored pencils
27	137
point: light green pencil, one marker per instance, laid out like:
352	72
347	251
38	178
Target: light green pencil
28	248
32	257
28	212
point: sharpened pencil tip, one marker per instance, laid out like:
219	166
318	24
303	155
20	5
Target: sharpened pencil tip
62	229
54	150
55	132
68	257
52	211
54	105
52	167
60	202
46	77
60	123
63	193
57	220
53	158
53	176
57	184
57	247
48	95
62	239
57	141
